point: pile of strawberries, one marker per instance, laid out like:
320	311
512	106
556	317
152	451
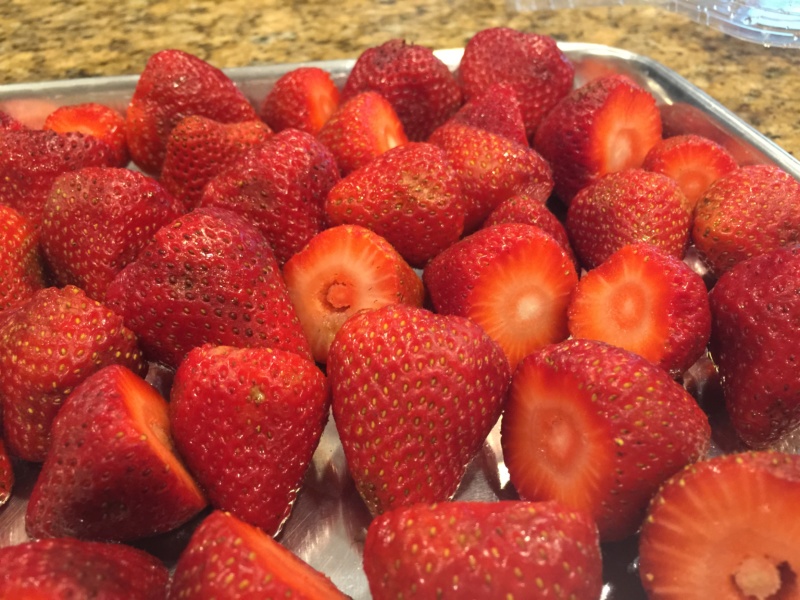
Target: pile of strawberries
420	254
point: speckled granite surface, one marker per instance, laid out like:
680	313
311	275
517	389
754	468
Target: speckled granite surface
44	40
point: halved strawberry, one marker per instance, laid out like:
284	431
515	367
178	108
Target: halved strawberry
342	271
97	120
6	475
364	127
513	279
725	528
605	126
645	301
304	99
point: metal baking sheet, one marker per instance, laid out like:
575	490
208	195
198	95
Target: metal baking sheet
328	524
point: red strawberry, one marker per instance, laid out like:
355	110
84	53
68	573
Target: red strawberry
418	85
112	473
227	558
31	160
207	277
605	126
174	85
97	219
96	120
9	123
304	99
199	149
280	187
647	302
491	168
483	550
747	212
414	397
243	416
539	71
342	271
70	568
410	195
628	207
599	429
513	280
495	109
48	346
754	341
364	127
6	475
20	262
725	528
693	161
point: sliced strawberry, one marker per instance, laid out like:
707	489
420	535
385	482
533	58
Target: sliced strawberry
304	99
725	528
645	301
6	475
342	271
364	127
496	109
97	120
693	161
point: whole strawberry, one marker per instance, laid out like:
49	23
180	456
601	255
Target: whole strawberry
414	397
280	187
48	346
416	83
20	262
410	195
483	550
304	99
174	85
755	309
243	416
96	220
207	277
495	109
112	473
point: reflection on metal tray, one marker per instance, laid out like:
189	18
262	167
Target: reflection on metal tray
328	524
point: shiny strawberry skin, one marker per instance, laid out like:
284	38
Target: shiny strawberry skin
93	119
20	260
414	397
242	416
207	277
304	99
6	475
495	109
483	550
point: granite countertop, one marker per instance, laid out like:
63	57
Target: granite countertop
53	40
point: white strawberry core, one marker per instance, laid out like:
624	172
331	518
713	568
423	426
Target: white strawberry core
622	146
758	577
339	296
530	306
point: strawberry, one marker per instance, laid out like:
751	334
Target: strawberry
49	345
227	558
112	473
414	397
495	109
304	99
9	123
174	85
491	168
598	428
280	187
755	309
607	125
6	475
483	550
610	213
207	277
364	127
96	220
724	528
416	83
533	64
645	301
695	162
242	416
20	262
410	195
514	280
31	160
344	270
749	211
70	568
199	149
96	120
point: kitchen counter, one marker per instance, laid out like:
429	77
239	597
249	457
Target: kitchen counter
51	40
